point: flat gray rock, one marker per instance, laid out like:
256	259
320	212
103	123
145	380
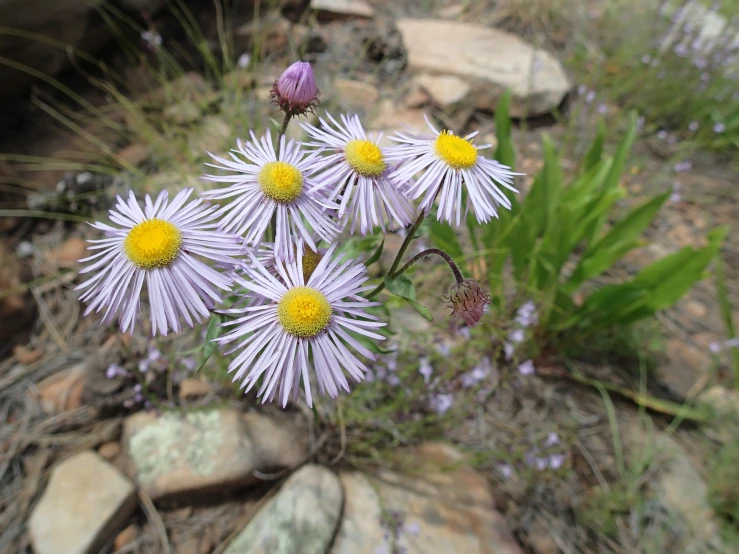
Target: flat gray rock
301	518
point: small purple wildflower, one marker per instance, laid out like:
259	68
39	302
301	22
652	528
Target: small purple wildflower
582	89
114	370
552	439
679	167
444	349
715	347
243	61
509	348
189	363
506	470
413	529
719	128
662	135
393	380
441	403
646	58
152	39
556	461
526	315
516	336
426	369
527	368
589	97
478	373
693	126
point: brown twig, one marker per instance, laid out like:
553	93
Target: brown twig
155	519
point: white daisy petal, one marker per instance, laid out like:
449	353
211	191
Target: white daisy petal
158	248
447	163
311	308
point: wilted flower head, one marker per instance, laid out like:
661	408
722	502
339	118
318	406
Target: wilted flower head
296	92
467	300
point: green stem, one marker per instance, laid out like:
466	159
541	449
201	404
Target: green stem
403	247
425	254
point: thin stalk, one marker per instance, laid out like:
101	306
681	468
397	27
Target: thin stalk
403	247
447	258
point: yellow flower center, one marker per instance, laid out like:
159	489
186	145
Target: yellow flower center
153	243
455	151
365	157
304	312
310	262
281	181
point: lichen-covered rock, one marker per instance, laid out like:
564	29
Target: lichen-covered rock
302	517
86	502
183	454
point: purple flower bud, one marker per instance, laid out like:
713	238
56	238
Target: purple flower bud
552	439
468	301
516	336
506	470
295	92
719	128
589	97
114	370
715	347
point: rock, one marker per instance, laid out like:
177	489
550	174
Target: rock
416	99
328	10
125	537
133	154
190	86
193	388
61	391
27	356
302	517
69	252
278	441
453	11
432	515
685	367
182	113
16	309
273	31
177	455
676	484
444	90
392	118
356	95
109	450
490	60
695	309
213	136
85	503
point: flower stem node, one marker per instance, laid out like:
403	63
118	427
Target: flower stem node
467	300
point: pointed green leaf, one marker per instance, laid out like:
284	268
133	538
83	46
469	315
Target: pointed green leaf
593	156
376	254
403	287
505	152
213	332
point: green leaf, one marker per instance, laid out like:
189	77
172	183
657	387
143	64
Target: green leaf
403	287
444	237
622	238
214	331
505	152
376	254
671	277
593	156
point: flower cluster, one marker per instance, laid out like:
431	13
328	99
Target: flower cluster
299	309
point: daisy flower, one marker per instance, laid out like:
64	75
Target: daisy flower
446	162
358	174
158	246
267	184
304	323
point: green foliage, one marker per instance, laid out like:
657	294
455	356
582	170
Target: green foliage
403	287
564	235
727	315
213	332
